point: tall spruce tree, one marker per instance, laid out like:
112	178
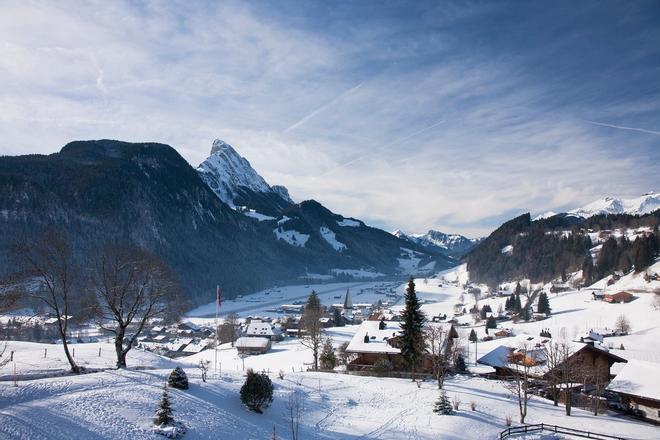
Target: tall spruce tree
543	304
588	269
412	326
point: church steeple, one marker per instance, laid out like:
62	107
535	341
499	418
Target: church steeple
348	304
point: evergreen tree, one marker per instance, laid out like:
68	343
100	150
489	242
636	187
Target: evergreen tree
517	305
543	304
459	364
339	320
257	391
164	412
328	359
484	311
473	336
588	269
178	379
518	290
491	323
443	405
412	327
381	324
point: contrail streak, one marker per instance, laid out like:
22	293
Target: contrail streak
621	127
397	141
320	109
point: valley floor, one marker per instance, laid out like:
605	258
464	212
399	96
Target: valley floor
121	403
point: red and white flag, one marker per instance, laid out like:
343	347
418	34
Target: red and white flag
219	297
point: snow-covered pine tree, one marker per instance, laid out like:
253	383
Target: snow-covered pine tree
443	405
178	379
164	412
412	326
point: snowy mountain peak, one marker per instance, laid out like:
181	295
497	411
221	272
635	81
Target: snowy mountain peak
446	243
219	146
644	204
230	175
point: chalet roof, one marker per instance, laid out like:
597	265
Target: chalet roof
260	328
252	342
498	357
638	378
378	339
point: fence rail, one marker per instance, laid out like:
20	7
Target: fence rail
539	427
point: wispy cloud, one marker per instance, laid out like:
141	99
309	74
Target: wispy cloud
621	127
404	114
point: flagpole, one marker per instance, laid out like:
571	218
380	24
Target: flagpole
217	309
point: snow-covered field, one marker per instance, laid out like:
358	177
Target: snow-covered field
120	403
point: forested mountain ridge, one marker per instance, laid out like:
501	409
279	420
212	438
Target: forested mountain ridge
549	248
147	194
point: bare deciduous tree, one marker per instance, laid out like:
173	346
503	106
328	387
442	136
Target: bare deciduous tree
295	407
228	331
622	325
311	329
132	286
520	365
441	350
49	260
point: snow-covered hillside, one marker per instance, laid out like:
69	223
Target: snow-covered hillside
644	204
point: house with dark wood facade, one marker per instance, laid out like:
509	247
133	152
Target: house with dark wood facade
377	341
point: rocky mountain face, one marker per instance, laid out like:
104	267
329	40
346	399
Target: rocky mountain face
147	194
451	245
236	183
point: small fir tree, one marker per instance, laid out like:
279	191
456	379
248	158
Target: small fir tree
459	364
443	405
473	336
164	412
381	324
336	316
178	379
491	322
257	391
328	359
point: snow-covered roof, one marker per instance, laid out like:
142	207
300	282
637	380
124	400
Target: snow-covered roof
261	328
638	378
378	339
534	348
251	342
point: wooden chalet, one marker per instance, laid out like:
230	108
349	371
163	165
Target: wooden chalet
371	344
638	385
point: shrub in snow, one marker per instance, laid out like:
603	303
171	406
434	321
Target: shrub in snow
508	420
443	405
164	423
281	374
473	405
257	391
457	403
383	366
328	358
178	379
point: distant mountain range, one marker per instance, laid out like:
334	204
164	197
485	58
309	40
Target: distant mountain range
452	245
644	204
221	223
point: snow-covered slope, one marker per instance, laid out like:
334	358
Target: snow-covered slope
644	204
449	244
235	182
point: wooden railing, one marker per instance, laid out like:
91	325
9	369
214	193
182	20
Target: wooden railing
515	430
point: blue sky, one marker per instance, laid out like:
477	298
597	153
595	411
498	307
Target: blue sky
413	115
